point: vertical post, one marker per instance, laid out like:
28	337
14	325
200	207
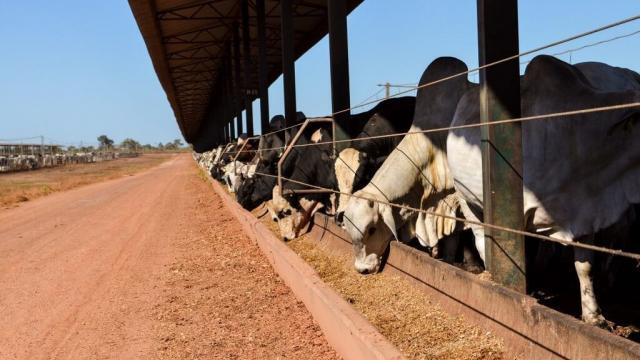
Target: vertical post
263	87
228	76
339	58
501	144
236	68
288	58
246	53
387	90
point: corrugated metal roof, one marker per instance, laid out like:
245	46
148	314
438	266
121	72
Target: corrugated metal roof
187	41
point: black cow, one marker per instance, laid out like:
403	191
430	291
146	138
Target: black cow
256	190
315	165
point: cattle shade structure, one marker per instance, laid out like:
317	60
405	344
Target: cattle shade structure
210	78
208	56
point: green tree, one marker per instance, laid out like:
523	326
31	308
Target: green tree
105	142
130	145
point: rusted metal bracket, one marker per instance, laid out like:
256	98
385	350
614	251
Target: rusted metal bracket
291	145
224	151
242	148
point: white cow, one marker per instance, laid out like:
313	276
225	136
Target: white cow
415	174
581	173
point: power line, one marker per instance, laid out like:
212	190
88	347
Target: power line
509	58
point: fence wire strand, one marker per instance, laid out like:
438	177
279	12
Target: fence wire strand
471	222
466	126
485	66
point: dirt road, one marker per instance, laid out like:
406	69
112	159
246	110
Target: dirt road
18	187
133	268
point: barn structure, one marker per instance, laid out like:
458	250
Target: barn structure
215	57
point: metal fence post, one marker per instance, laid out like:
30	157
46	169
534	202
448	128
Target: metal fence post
501	144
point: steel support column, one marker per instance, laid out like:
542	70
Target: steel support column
238	78
288	59
228	76
246	51
263	86
501	144
339	59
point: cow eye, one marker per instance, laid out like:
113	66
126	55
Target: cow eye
287	212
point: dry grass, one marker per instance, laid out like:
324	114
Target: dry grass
24	186
419	328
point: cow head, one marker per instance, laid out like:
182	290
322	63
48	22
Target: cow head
291	220
371	226
353	170
254	191
271	147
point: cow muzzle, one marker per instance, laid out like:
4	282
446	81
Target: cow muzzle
339	218
369	264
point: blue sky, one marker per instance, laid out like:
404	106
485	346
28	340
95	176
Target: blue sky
72	70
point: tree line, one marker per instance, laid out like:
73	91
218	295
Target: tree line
128	145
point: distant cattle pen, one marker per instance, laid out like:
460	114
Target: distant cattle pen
23	157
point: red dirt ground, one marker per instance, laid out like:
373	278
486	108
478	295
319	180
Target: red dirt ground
18	187
147	266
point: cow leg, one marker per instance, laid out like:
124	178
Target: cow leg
470	255
478	231
227	181
583	260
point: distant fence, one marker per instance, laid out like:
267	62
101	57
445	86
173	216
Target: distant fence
128	154
23	157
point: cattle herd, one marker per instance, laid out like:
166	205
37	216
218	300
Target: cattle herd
13	163
581	173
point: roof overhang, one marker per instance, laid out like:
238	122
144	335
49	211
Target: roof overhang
188	41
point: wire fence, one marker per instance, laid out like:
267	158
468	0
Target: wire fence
555	115
558	115
466	221
413	88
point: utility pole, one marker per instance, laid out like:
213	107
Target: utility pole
42	146
388	86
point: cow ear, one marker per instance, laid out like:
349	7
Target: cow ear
387	217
